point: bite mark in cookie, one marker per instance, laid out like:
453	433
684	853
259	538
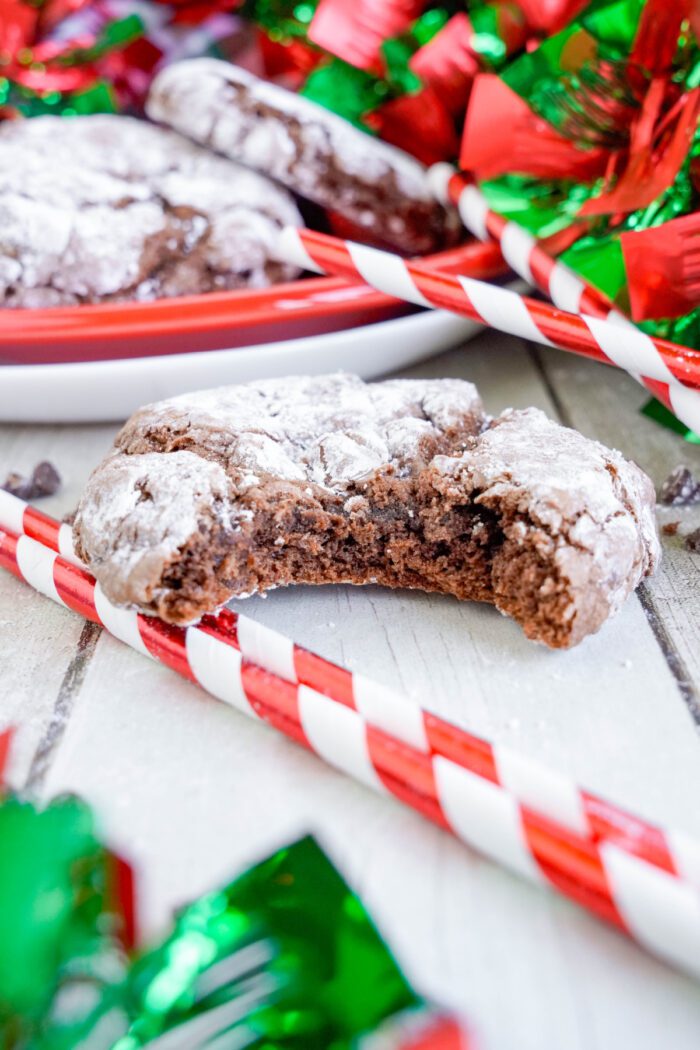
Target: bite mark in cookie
304	146
330	480
104	208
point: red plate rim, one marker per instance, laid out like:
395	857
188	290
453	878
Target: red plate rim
200	314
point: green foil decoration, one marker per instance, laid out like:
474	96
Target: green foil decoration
562	77
576	80
57	928
487	39
282	20
285	956
346	90
542	207
660	414
98	98
353	93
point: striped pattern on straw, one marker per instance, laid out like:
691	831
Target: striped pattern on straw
613	342
527	258
643	879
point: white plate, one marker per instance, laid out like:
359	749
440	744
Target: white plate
98	391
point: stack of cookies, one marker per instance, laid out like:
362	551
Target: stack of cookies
105	208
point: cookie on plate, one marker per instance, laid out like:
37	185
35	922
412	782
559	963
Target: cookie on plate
307	148
102	208
404	483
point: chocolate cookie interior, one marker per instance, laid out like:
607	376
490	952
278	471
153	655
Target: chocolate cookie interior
403	483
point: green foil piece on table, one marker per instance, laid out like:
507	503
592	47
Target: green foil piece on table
57	929
660	414
285	956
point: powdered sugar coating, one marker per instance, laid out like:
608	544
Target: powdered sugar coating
589	509
143	510
304	146
108	207
328	430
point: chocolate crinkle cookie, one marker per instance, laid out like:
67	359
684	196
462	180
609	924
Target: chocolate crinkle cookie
315	153
107	207
404	483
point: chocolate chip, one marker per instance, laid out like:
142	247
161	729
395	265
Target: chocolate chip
680	489
17	485
671	528
692	542
45	481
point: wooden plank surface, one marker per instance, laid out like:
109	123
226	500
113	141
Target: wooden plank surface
192	791
606	406
42	650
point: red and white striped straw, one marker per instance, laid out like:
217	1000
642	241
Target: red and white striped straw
606	340
526	257
521	250
642	879
553	795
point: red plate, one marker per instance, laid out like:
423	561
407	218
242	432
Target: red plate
219	320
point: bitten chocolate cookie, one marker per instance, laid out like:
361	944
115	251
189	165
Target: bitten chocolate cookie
307	148
404	483
105	207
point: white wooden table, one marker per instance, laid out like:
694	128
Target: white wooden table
192	791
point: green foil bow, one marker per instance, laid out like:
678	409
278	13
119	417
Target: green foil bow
285	956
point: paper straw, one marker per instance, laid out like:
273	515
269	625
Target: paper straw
660	909
614	343
554	796
521	250
527	258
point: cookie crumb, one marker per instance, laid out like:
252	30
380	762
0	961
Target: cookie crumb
671	528
692	542
680	489
44	481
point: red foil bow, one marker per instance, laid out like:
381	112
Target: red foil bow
659	145
663	268
449	63
503	135
549	16
355	31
